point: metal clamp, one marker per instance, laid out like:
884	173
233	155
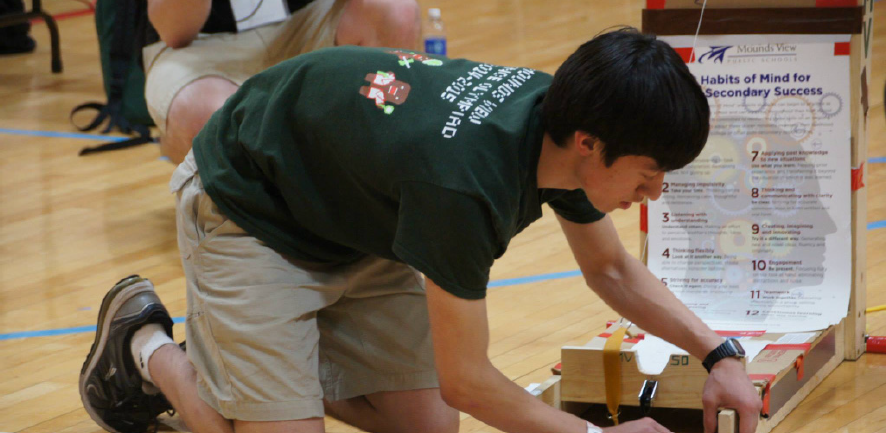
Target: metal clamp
647	394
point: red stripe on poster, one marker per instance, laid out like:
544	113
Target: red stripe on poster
644	218
740	333
802	346
686	54
655	4
842	49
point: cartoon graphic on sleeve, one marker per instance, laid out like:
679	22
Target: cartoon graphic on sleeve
407	57
385	88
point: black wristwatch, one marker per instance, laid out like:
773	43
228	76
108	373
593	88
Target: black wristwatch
730	348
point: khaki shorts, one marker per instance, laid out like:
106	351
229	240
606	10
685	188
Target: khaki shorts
270	336
235	56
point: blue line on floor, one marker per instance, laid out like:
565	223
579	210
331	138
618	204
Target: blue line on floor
54	134
61	135
91	328
533	278
496	283
61	331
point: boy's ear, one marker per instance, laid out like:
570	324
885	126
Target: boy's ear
586	143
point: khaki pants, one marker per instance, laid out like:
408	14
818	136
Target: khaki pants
235	56
270	336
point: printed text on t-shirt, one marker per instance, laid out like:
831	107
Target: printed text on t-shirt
479	92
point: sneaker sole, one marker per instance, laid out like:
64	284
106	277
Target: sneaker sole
113	300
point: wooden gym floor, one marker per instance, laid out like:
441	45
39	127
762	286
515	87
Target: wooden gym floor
72	226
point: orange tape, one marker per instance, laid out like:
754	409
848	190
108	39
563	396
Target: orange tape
768	378
858	177
799	365
612	371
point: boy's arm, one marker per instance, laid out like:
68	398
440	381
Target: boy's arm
178	21
627	286
468	380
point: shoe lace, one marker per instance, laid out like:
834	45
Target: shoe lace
138	407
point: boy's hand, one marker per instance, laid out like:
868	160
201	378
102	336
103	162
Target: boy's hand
644	425
728	386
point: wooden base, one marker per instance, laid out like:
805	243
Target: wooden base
791	376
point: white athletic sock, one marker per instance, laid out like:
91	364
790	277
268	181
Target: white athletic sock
145	341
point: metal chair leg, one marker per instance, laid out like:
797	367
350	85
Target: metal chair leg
54	41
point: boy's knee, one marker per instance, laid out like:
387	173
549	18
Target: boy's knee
400	24
384	23
194	104
189	111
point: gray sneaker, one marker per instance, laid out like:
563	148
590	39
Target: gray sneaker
110	383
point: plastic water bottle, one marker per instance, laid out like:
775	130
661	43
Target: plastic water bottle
434	34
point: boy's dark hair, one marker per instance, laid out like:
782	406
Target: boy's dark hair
632	92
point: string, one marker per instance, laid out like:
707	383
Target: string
697	30
258	6
704	5
645	246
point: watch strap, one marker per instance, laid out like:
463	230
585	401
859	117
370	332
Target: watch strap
724	350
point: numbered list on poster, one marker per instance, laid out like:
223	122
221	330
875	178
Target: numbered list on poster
755	233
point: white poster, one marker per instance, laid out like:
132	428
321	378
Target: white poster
249	14
755	234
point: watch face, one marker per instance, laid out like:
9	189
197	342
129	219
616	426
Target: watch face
738	349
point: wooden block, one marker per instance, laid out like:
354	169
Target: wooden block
727	421
859	73
549	392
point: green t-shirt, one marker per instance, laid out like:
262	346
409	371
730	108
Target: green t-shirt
350	151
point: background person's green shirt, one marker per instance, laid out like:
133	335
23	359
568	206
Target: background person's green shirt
351	151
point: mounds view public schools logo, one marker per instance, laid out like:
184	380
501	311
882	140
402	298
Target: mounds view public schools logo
715	55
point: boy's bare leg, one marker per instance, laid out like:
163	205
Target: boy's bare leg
311	425
420	410
176	378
